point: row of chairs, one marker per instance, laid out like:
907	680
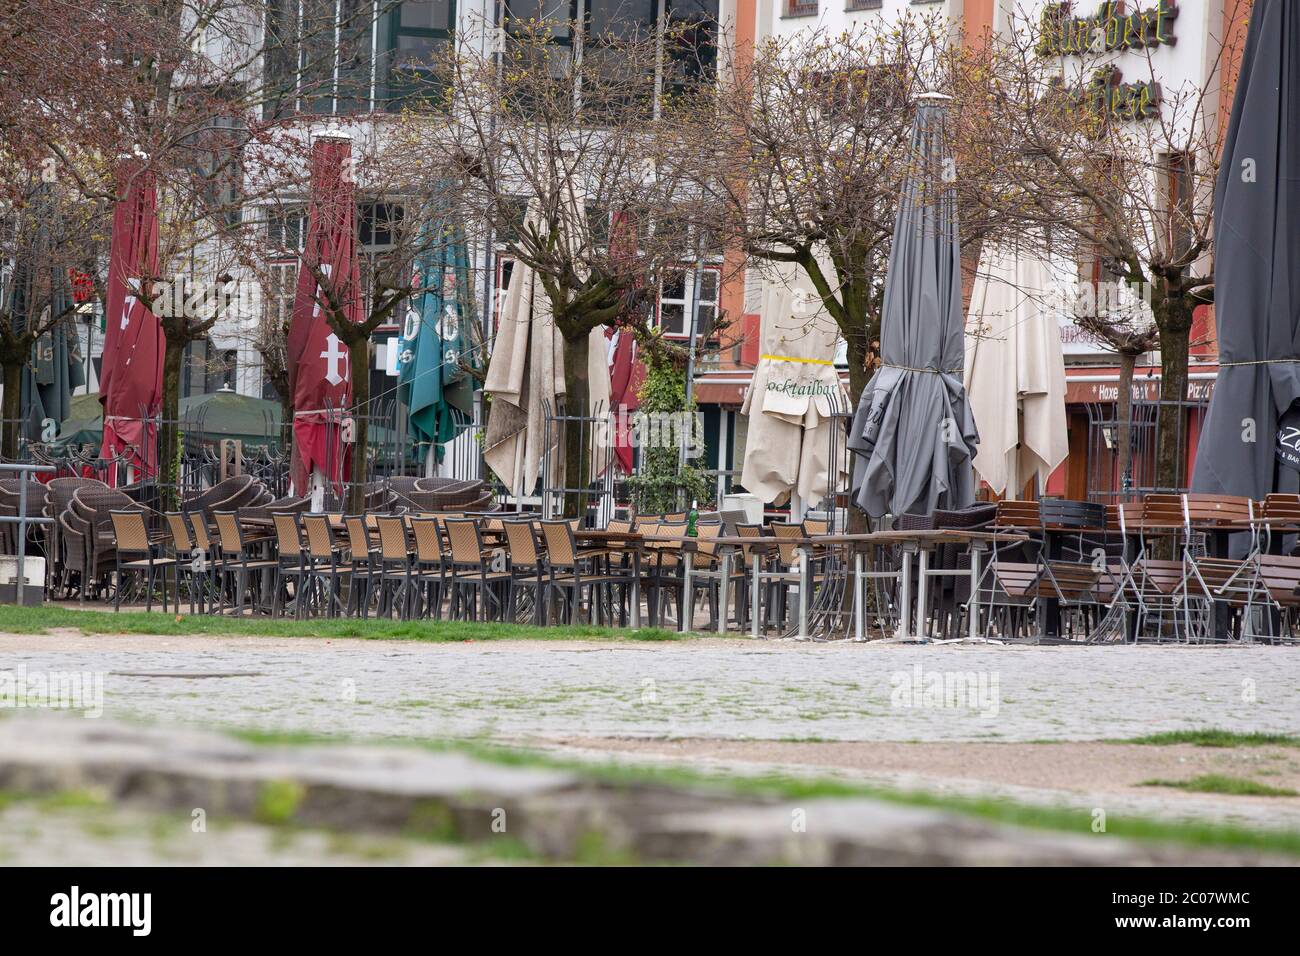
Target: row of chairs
1141	571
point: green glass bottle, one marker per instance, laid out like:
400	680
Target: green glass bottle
692	519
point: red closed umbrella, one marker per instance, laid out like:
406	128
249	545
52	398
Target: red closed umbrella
626	370
130	385
319	374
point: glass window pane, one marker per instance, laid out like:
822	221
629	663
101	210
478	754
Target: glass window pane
425	14
621	17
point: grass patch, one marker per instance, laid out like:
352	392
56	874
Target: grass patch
781	787
1214	737
278	801
1218	783
26	620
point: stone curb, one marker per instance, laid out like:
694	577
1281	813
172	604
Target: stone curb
558	814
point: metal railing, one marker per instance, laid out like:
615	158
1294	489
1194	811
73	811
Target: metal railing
23	520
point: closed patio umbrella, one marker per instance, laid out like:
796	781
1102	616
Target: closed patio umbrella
1256	280
319	374
913	432
435	340
794	391
130	386
1015	372
526	371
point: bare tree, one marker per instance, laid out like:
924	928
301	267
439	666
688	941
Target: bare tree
594	122
1121	172
803	151
48	231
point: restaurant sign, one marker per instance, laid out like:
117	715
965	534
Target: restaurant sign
1288	438
1107	94
1111	29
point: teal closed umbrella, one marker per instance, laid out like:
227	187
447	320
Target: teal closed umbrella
436	339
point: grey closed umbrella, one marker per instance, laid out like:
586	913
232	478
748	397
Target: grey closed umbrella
1256	279
913	435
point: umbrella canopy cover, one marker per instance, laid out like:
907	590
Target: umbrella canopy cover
130	385
1015	372
526	371
1256	249
913	432
788	440
319	374
435	341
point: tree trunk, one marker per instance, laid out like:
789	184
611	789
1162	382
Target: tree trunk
13	406
359	366
859	355
577	390
169	474
1171	448
1124	421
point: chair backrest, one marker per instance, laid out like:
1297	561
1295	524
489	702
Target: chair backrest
232	541
130	531
783	531
1163	511
561	550
706	547
199	522
428	542
288	534
320	537
1064	513
521	542
1018	514
752	531
393	542
1279	507
358	536
182	540
1203	509
813	526
463	539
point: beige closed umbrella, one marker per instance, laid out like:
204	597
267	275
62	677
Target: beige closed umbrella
526	371
1015	372
794	391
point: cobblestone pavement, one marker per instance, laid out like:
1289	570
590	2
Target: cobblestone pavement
728	689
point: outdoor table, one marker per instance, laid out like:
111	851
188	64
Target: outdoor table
921	542
634	543
726	545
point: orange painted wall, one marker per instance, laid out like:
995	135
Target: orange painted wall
744	328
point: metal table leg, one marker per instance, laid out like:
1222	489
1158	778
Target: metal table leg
753	600
905	597
724	565
922	589
805	585
636	588
686	610
973	608
859	612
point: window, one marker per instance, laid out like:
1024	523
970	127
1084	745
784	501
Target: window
853	6
689	52
282	285
320	55
800	8
286	230
677	292
225	373
419	31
